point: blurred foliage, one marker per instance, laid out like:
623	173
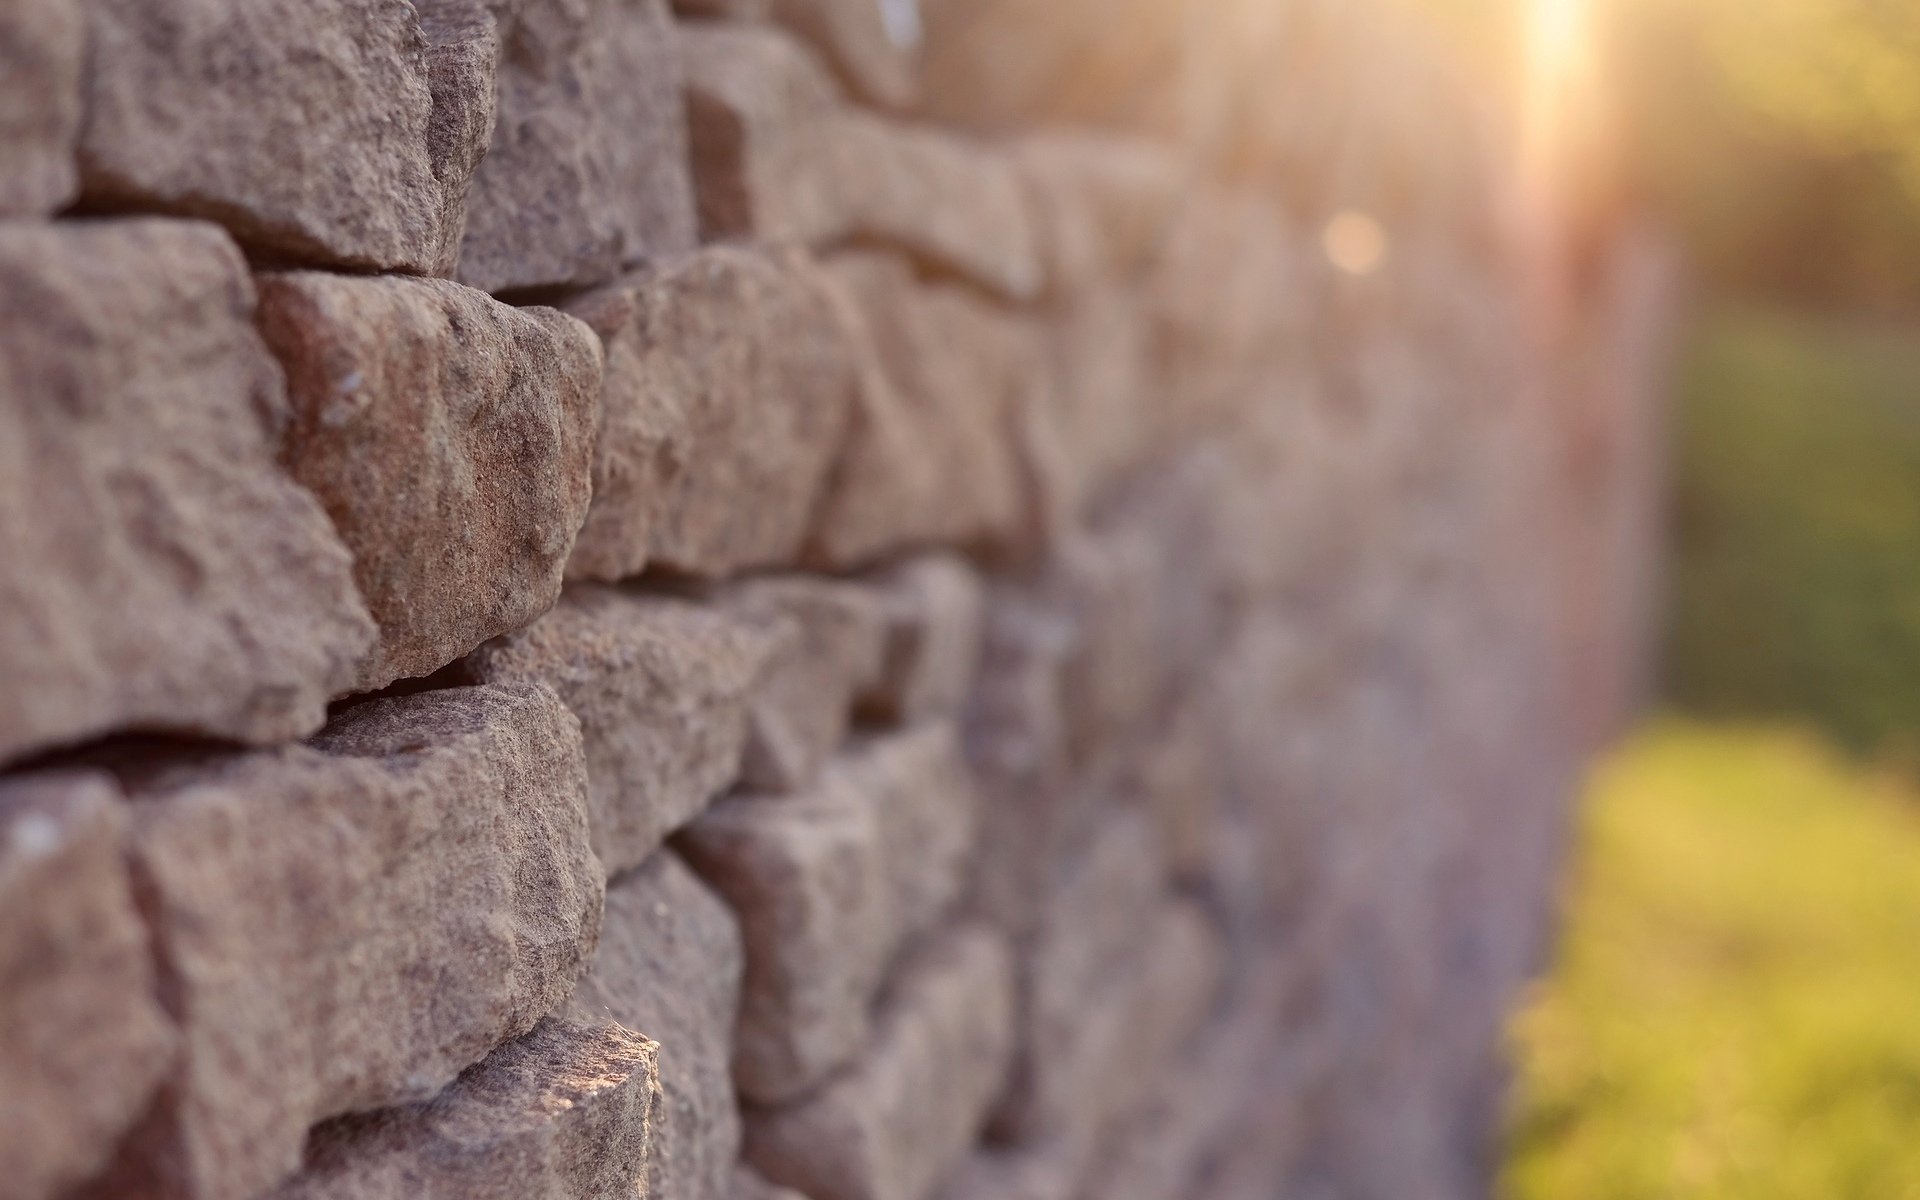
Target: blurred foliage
1731	1016
1796	577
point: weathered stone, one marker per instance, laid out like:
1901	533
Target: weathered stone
463	54
749	1184
895	1124
587	170
874	45
729	379
1177	775
829	884
348	927
929	458
803	701
1102	205
562	1111
162	573
778	156
1047	1170
1105	398
934	609
669	967
42	48
450	438
315	130
661	688
83	1040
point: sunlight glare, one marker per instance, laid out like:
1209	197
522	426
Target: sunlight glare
1355	243
1559	79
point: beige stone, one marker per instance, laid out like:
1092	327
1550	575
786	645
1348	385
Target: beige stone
348	926
829	884
42	50
895	1125
587	172
162	573
873	45
1103	203
312	129
729	380
1053	1169
749	1184
450	439
562	1111
669	968
661	688
929	458
934	608
83	1039
778	156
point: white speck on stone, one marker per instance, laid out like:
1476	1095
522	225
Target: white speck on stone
903	23
36	836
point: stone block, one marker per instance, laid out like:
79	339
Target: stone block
163	574
930	457
934	608
586	173
1053	1169
349	925
83	1039
898	1122
829	884
316	132
669	967
1102	203
450	439
564	1110
749	1184
661	688
778	156
42	53
728	384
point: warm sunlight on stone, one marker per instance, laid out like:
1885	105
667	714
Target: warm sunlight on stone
1355	243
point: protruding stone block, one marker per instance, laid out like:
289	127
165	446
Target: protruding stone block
934	608
349	927
83	1039
669	968
895	1124
874	45
729	378
1102	205
829	884
312	129
162	573
930	456
778	156
587	171
661	688
749	1184
450	438
42	53
563	1111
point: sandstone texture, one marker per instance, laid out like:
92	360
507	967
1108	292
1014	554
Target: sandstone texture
86	1040
661	688
586	172
163	574
934	607
450	439
42	50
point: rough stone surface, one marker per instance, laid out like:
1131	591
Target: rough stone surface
777	156
874	45
313	130
895	1124
586	173
42	48
661	688
1103	204
749	1184
669	967
930	456
83	1040
934	608
162	574
450	439
829	884
320	914
728	385
562	1111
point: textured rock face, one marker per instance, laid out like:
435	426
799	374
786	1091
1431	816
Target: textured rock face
42	47
450	439
874	45
163	574
895	1124
934	608
319	914
192	107
728	387
661	688
86	1041
586	172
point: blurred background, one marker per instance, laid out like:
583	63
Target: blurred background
1734	1007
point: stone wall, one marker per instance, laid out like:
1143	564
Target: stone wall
823	598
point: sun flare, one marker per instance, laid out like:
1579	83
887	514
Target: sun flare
1560	78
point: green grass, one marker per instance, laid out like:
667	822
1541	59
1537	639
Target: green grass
1735	1009
1796	587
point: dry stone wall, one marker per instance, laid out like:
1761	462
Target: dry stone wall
770	599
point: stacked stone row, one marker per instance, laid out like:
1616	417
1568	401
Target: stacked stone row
598	605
